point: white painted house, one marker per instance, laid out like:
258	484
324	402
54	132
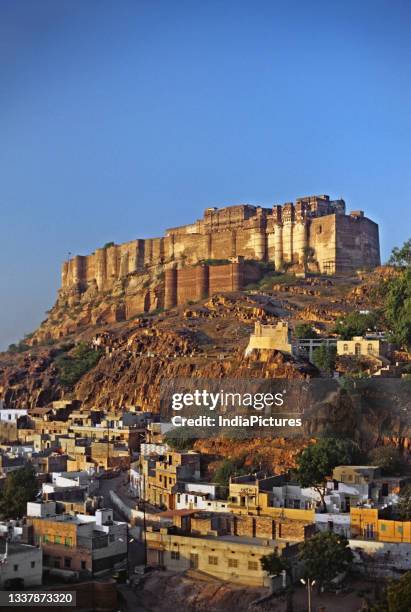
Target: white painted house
21	565
11	415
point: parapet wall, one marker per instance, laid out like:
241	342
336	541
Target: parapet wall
314	229
199	282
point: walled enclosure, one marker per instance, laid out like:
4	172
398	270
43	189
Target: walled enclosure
314	232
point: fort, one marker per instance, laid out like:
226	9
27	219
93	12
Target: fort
313	233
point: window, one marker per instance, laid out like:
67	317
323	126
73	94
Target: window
383	527
15	568
212	560
67	541
33	564
233	563
370	349
345	348
83	565
57	563
112	537
320	229
67	562
57	539
175	555
357	349
253	565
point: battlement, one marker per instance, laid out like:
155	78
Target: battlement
315	231
247	216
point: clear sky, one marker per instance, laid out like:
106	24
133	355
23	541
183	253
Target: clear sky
119	119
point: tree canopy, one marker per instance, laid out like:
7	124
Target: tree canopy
388	458
404	504
20	487
356	324
273	564
398	307
227	468
401	256
398	595
325	555
324	357
316	462
305	330
180	438
71	367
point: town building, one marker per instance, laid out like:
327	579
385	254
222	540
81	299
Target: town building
367	524
270	337
80	546
21	565
12	415
226	547
363	346
161	474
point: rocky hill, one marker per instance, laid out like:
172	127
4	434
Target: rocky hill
123	363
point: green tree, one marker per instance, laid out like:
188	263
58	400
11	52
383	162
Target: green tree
316	462
404	504
305	330
18	348
324	357
20	487
71	367
401	256
399	595
397	307
227	468
388	458
180	439
273	564
356	324
325	555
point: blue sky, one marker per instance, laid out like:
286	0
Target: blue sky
119	119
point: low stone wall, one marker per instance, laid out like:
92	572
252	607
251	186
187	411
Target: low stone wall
381	559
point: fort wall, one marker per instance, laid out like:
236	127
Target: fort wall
314	230
198	282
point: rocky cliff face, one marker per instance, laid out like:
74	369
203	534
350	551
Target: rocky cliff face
204	340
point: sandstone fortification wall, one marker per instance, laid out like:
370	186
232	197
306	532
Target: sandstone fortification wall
198	282
314	231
